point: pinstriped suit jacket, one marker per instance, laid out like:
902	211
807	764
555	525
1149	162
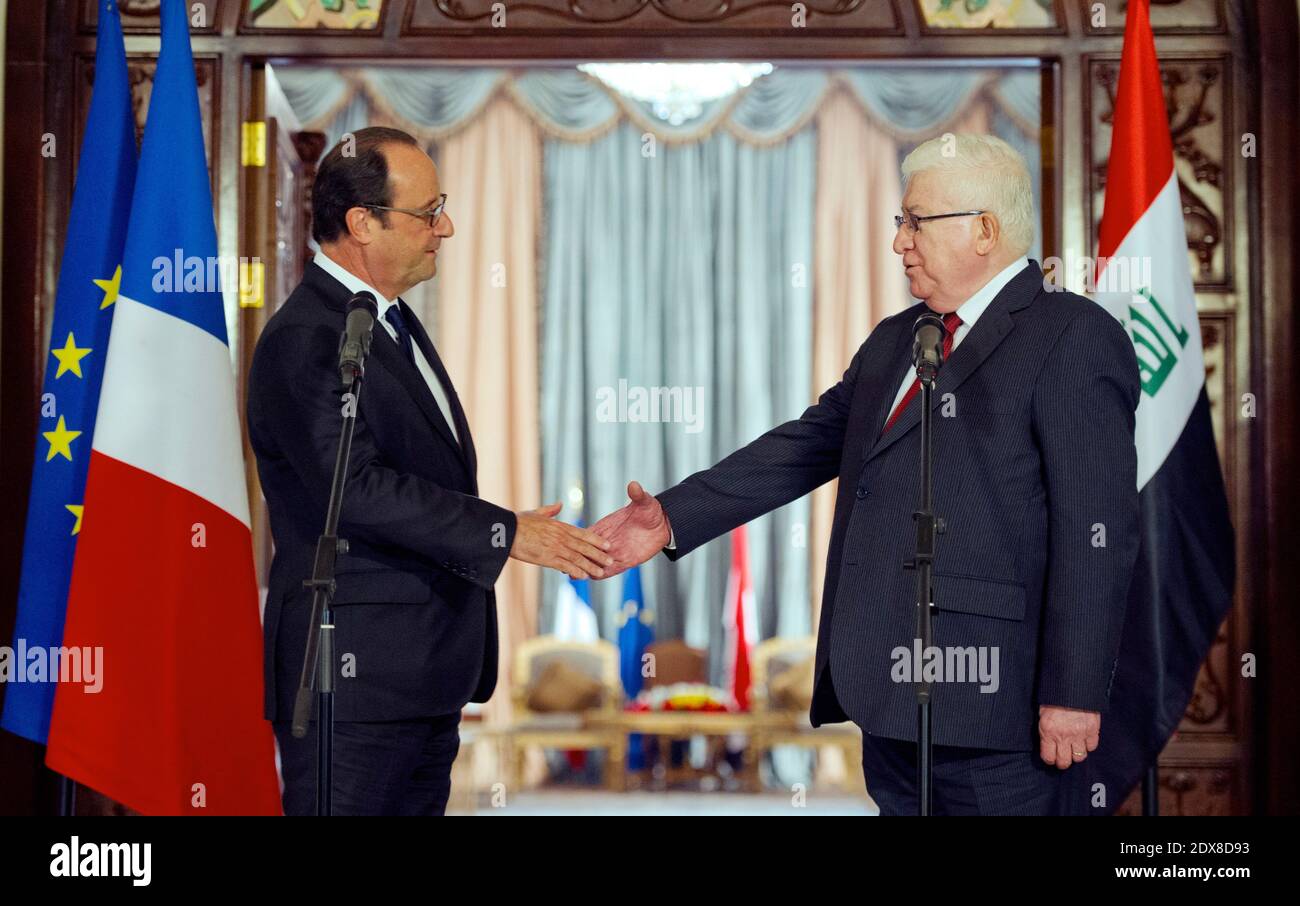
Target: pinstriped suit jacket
1035	476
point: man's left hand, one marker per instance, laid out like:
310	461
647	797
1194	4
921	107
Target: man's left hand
636	532
1067	735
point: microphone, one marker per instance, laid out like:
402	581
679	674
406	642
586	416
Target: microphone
927	345
354	344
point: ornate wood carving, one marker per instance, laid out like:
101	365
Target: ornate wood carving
142	16
868	16
325	17
1209	707
955	17
1188	17
310	146
1194	788
1217	337
1196	92
140	72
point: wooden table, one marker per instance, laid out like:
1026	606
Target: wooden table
685	724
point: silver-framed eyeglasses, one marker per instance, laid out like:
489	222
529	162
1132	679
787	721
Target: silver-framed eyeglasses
914	222
431	215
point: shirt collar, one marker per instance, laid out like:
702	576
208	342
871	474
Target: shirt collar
351	281
970	310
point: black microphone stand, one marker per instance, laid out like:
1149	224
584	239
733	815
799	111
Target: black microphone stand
318	662
1151	791
927	527
67	796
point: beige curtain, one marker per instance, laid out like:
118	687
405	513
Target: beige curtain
857	276
486	319
978	117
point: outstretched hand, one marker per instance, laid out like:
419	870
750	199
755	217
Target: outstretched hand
546	541
636	532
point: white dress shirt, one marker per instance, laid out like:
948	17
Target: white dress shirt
969	312
355	285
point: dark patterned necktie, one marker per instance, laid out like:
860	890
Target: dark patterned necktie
950	322
394	317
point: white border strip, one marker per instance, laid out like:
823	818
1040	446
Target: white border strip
168	405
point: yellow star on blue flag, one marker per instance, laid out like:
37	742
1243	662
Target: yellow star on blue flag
70	357
60	441
90	275
110	287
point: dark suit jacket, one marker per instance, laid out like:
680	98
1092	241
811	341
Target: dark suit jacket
1034	459
414	607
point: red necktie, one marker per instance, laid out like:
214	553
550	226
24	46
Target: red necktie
950	322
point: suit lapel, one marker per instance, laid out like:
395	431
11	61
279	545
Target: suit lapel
988	332
885	377
466	445
389	355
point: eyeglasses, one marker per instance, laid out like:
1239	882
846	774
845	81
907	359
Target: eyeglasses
914	223
430	215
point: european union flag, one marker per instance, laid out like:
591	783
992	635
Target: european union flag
83	309
635	632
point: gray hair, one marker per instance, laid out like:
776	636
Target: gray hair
990	176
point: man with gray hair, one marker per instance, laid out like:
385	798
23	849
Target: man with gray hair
1035	477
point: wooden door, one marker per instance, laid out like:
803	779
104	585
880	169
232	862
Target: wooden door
276	181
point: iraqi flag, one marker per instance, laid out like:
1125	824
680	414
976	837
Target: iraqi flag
163	579
83	312
740	620
1182	584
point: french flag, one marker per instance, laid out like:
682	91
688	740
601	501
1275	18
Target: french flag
1183	580
163	578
